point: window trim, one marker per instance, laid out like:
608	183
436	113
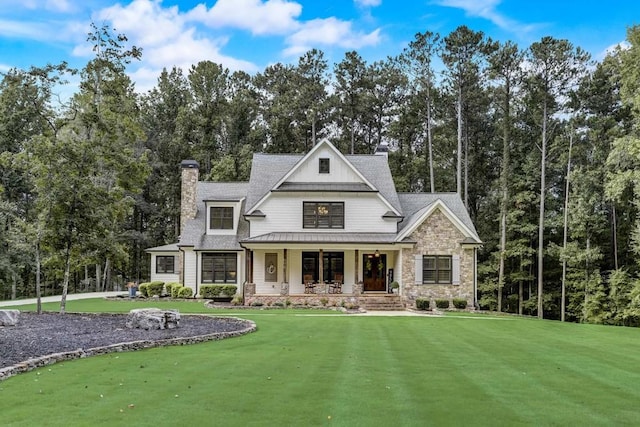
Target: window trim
313	220
436	270
164	258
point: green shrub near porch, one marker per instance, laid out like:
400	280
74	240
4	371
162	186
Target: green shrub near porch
215	291
169	286
143	288
155	288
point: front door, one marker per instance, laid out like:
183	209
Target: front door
374	272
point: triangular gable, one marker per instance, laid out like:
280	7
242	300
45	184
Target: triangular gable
421	216
312	155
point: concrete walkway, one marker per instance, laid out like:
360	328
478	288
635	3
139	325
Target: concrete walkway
56	298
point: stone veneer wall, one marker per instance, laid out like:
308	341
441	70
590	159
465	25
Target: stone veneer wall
437	236
188	191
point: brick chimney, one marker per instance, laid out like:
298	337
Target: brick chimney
188	193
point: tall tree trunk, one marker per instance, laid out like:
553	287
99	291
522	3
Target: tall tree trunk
432	184
65	282
14	286
565	229
541	218
614	233
98	277
38	296
459	162
504	183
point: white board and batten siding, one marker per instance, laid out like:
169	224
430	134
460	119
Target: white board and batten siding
165	277
362	213
190	269
339	170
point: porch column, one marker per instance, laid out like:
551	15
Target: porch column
249	265
285	272
320	268
357	268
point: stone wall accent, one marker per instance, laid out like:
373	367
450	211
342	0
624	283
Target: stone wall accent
9	317
437	236
249	289
188	191
248	326
284	288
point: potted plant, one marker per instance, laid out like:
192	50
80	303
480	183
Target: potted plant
394	287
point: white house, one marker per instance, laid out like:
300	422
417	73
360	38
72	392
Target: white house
324	225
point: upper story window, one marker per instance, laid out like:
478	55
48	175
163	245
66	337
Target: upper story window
324	166
221	218
323	215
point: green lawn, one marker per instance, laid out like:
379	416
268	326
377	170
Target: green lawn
308	368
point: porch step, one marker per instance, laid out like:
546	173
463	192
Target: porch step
381	303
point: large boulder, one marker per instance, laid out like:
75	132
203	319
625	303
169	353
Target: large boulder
153	318
9	317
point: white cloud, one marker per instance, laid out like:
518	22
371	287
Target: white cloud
256	16
487	9
167	38
367	3
329	32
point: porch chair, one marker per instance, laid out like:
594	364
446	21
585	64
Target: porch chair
335	287
309	286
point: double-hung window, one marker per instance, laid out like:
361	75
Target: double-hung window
436	269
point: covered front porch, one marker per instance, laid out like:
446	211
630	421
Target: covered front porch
326	266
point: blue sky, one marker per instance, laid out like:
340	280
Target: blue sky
251	34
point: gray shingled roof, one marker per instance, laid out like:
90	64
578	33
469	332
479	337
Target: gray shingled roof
268	169
415	204
314	237
194	231
173	247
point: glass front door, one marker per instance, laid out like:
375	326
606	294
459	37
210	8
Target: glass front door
374	267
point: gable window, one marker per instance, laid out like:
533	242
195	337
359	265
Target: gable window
323	215
165	264
219	267
221	218
436	269
323	166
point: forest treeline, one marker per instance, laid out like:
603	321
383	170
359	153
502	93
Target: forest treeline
542	143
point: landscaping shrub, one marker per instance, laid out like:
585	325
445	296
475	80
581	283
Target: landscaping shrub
169	286
229	290
155	288
185	292
175	291
237	300
257	304
143	288
214	291
460	303
442	303
422	304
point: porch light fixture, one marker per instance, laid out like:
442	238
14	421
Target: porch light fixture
377	254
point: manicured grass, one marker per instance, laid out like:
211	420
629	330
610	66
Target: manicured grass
307	368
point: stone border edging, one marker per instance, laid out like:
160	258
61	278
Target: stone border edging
50	359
